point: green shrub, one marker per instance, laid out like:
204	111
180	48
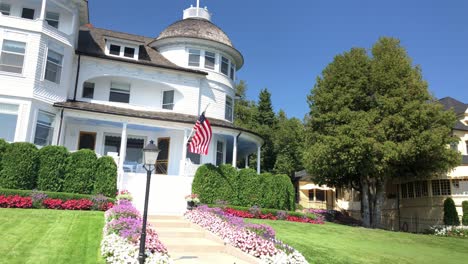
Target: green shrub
52	164
207	183
80	172
248	187
3	147
106	177
54	195
465	213
19	166
228	191
450	213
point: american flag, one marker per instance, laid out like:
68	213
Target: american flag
200	141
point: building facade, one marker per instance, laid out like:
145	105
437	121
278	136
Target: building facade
65	82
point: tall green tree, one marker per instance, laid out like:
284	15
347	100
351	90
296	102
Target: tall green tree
372	119
245	111
266	127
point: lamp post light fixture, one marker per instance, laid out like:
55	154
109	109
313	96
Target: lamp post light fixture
150	156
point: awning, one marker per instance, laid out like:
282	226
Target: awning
311	186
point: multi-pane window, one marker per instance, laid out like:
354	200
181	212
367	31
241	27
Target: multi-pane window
219	153
5	9
114	50
88	90
53	70
194	58
228	108
44	129
404	190
119	92
52	19
194	158
129	52
232	71
210	58
12	58
8	119
168	100
27	13
224	65
441	187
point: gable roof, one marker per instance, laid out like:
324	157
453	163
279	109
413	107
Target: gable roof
450	103
92	42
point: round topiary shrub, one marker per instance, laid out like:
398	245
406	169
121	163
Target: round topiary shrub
450	213
106	177
207	183
52	165
80	172
3	147
465	213
19	166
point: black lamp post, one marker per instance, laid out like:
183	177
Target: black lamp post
150	156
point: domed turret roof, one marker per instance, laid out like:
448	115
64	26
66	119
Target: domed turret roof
196	28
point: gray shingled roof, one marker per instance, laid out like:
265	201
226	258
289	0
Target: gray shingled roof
153	115
196	28
92	42
451	103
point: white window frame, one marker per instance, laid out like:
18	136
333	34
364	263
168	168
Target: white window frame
204	60
221	65
53	20
120	91
59	77
168	104
122	45
232	71
2	11
34	16
83	88
52	126
230	108
193	51
2	43
223	159
18	111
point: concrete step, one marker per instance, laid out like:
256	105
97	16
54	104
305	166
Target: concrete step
165	217
159	223
195	245
179	232
205	258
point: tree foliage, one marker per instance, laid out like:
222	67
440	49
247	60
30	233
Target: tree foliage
372	119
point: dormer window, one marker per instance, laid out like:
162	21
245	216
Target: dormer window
5	9
124	50
52	19
194	58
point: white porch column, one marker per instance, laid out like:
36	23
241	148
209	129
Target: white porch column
43	9
258	158
123	152
234	152
247	161
184	153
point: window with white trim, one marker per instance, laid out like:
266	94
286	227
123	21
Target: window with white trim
168	100
12	57
53	70
224	66
28	13
210	59
44	129
219	153
194	58
88	90
123	50
52	19
119	92
232	71
228	108
441	187
5	9
8	119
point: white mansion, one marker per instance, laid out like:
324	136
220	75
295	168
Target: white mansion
65	82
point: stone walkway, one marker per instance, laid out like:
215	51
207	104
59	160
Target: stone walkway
189	243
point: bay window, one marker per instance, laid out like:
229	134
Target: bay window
210	58
52	19
8	119
44	129
224	66
12	57
53	70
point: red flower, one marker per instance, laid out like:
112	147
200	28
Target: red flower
50	203
15	201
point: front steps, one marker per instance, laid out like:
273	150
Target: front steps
188	243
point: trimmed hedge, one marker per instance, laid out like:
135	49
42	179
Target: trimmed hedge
106	177
52	164
450	213
53	195
243	188
465	213
3	147
19	166
80	169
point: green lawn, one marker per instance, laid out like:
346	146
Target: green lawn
332	243
50	236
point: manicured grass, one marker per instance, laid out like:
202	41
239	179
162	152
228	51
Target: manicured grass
332	243
50	236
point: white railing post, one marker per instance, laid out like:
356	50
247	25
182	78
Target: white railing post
122	153
258	158
234	152
43	9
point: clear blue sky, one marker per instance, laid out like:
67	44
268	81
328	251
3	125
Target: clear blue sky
286	44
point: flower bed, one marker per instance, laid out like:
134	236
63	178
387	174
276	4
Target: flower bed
255	212
39	200
254	239
450	231
122	236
